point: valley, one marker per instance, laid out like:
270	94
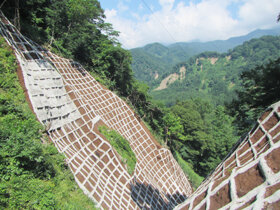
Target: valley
157	59
214	76
86	124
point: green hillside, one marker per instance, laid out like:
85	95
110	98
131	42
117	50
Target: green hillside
214	76
148	66
157	59
199	133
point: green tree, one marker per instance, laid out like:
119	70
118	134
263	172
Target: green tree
260	88
115	63
173	129
207	136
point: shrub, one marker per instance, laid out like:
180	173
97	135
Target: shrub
193	177
32	175
121	145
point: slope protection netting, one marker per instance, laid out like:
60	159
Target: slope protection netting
72	104
250	176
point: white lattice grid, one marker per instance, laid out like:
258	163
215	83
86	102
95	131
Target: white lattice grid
70	150
47	94
94	164
33	70
265	144
106	105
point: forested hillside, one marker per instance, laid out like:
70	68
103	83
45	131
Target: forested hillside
33	175
65	28
216	77
153	61
197	128
76	29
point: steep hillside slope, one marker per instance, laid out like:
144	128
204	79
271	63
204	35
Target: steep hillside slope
32	174
250	175
72	105
146	67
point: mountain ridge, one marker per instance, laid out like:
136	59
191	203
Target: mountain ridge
212	75
235	40
156	58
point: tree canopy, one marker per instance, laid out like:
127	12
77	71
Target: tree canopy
260	88
76	29
202	133
216	77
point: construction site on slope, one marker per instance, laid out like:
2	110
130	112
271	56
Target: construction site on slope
71	105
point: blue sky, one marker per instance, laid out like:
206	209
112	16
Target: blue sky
167	21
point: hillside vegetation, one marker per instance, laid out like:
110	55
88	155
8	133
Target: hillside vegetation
33	175
214	76
157	59
121	145
198	125
260	89
198	129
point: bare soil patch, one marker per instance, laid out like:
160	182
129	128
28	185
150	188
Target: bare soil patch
167	81
273	160
248	180
221	198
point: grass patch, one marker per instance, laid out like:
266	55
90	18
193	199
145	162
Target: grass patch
121	145
32	175
193	177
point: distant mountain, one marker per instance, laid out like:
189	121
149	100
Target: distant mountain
215	76
225	45
153	61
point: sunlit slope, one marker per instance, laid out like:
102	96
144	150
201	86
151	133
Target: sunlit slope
71	105
249	177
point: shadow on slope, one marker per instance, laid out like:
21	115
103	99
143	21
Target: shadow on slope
147	197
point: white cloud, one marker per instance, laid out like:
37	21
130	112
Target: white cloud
140	7
259	13
165	2
206	20
110	14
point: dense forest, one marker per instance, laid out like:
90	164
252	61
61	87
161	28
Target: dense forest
198	132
